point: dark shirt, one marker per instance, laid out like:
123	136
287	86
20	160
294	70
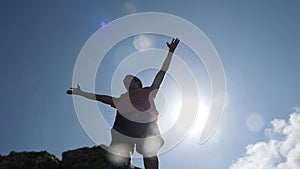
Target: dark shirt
136	113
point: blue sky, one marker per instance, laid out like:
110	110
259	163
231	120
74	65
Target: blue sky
257	41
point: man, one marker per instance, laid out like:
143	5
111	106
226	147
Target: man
136	119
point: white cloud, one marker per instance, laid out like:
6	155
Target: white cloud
141	42
278	125
280	153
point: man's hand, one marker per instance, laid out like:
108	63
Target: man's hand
75	91
172	46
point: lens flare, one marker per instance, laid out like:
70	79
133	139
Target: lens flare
103	24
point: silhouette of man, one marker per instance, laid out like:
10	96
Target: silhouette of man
136	120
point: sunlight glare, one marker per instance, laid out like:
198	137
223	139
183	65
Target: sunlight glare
203	111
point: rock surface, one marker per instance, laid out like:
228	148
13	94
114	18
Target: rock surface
29	160
82	158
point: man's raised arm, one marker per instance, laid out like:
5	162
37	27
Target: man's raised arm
102	98
161	74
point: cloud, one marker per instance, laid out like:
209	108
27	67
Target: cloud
141	42
282	152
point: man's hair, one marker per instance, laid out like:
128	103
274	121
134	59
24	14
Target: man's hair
132	82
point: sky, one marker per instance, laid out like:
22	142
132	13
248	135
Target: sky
257	42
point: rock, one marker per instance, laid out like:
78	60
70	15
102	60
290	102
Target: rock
29	160
93	158
82	158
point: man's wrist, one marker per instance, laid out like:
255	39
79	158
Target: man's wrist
80	93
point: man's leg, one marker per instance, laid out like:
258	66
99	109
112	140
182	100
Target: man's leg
120	148
151	162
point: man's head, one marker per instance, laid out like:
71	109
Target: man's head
132	82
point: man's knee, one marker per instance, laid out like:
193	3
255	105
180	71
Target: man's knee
153	158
